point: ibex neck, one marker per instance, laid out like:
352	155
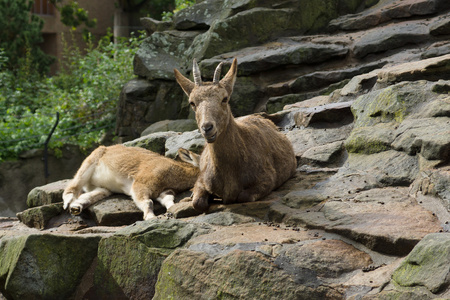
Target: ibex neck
228	144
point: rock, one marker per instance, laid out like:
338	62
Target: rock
329	154
39	217
152	25
390	37
130	260
183	210
367	112
437	49
387	168
44	266
304	139
46	194
202	15
144	102
191	140
162	52
431	68
171	125
387	105
223	219
428	136
321	79
115	210
440	26
434	182
363	216
326	258
386	11
303	198
155	142
359	84
285	51
190	274
371	139
427	265
327	113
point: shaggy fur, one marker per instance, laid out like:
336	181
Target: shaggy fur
134	171
245	158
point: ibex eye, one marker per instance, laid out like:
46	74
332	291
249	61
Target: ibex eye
192	104
225	100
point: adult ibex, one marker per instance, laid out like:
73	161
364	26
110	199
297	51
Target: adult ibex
134	171
245	158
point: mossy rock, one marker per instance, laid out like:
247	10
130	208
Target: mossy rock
370	140
155	142
46	194
427	265
391	104
129	261
39	217
44	266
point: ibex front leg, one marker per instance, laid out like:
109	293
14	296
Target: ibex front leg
87	199
201	198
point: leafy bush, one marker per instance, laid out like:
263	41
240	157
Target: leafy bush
85	94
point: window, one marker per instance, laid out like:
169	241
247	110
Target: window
43	7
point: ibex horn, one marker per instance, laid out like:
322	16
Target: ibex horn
197	75
217	74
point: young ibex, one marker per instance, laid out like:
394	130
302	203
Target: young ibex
245	158
134	171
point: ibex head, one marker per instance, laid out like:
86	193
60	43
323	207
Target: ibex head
209	100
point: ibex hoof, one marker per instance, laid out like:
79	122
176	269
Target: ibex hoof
201	204
75	210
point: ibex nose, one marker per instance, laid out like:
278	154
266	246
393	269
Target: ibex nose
207	127
209	132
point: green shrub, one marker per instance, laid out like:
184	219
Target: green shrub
85	94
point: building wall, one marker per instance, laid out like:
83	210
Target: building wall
55	33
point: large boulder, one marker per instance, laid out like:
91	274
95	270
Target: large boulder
44	266
425	270
130	260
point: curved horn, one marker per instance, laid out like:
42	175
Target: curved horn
217	74
197	75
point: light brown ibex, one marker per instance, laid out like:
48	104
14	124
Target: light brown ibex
245	158
137	172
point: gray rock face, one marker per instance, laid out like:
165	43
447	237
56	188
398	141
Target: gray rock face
364	217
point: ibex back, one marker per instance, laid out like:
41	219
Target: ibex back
134	171
245	158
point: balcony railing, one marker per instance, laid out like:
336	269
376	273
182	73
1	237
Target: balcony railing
43	7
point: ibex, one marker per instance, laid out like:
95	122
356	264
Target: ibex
134	171
244	159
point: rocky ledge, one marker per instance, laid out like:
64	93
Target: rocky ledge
366	215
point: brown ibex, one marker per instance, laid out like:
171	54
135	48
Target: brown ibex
137	172
245	158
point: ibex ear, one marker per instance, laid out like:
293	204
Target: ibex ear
230	78
189	157
185	83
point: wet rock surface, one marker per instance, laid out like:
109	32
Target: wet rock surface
366	216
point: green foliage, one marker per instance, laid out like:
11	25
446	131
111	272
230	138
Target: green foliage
73	15
179	5
20	36
85	94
